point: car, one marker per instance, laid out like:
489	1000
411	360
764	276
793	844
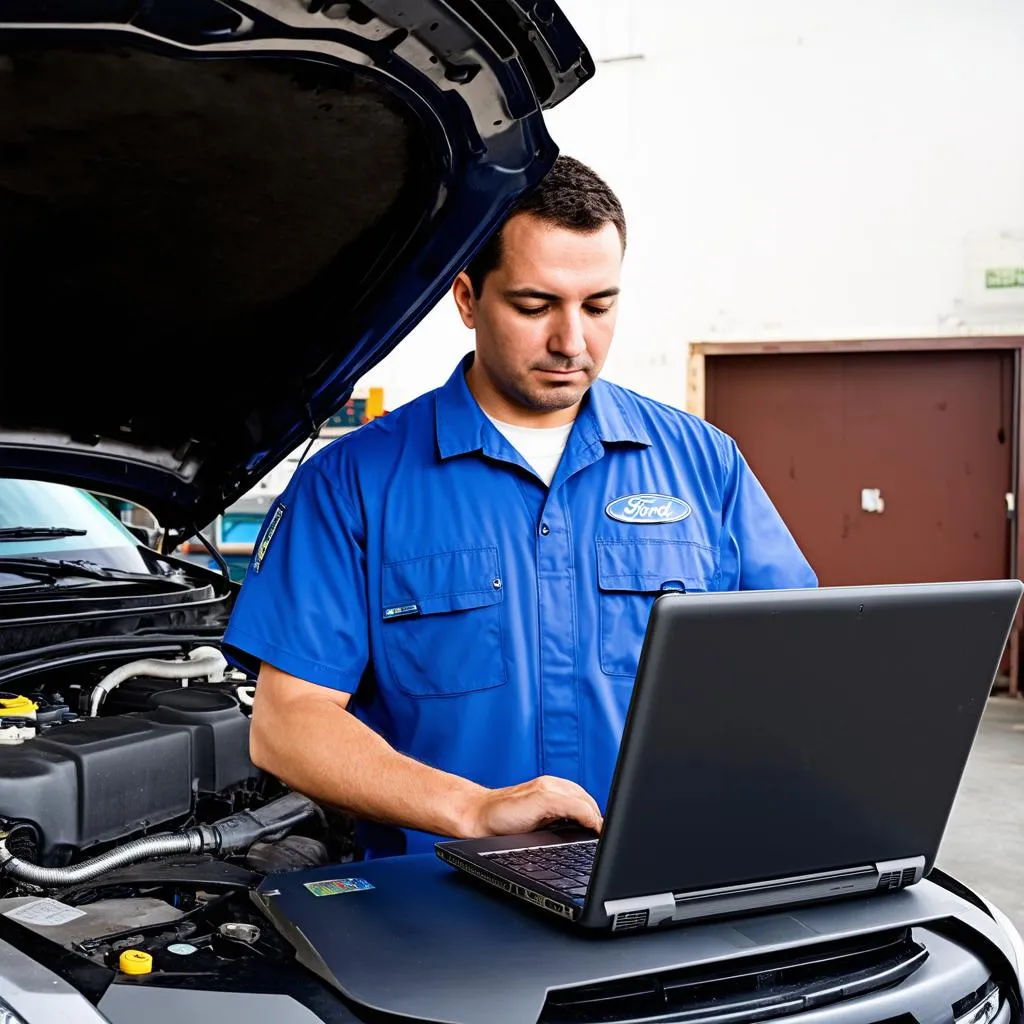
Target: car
300	181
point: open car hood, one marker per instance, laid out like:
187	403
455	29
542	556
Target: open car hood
215	217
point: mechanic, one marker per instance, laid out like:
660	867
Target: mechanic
448	604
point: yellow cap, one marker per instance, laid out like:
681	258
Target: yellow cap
134	961
17	707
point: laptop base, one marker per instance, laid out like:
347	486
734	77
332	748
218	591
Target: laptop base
477	858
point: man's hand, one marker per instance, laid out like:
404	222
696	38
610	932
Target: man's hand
529	806
299	728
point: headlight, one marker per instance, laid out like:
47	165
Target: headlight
8	1016
979	1007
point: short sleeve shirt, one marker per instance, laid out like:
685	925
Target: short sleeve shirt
486	624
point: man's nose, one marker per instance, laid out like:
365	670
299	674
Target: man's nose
568	339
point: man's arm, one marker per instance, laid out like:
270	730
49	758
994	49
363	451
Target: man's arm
304	734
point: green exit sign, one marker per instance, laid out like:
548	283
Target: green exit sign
1004	277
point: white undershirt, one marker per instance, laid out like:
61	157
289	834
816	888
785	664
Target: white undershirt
541	447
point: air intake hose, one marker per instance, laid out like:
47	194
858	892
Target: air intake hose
229	835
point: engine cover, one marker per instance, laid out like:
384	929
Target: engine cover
101	779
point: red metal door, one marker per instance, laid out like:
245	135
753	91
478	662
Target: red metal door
930	432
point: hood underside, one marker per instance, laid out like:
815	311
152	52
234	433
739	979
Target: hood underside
214	220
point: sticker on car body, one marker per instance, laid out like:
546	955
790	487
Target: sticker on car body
337	886
45	912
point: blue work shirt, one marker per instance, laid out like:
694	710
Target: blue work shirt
486	624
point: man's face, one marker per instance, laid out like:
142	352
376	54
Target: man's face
544	321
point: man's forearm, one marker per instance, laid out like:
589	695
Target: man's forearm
304	734
322	750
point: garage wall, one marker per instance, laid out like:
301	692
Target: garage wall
803	169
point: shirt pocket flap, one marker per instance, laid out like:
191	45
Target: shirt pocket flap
646	566
448	581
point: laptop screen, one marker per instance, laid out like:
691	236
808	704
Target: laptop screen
774	734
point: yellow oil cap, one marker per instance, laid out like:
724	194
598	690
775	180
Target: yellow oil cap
135	961
17	707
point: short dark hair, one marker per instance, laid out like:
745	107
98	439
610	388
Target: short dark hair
569	196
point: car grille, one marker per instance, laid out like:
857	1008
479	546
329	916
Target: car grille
755	988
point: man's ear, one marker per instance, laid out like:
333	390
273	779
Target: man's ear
462	292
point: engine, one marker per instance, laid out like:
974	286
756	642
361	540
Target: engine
100	779
131	817
150	753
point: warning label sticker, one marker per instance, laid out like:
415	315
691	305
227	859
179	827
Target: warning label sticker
44	912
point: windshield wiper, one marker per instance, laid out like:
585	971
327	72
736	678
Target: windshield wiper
10	533
51	568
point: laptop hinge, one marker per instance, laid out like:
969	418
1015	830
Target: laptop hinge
897	874
640	911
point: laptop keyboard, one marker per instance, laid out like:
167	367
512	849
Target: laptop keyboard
565	867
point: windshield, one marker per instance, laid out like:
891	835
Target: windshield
38	503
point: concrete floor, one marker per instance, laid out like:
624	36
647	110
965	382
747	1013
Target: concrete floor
984	842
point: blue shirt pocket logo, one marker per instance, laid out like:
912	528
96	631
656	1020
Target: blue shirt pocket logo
648	509
400	611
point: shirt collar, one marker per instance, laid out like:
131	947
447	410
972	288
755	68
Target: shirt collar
460	422
605	416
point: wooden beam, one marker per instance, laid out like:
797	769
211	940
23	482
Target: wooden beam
777	348
1018	519
695	385
1014	666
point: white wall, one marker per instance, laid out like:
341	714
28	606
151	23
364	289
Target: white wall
793	169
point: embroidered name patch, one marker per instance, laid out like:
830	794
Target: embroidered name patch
268	536
401	610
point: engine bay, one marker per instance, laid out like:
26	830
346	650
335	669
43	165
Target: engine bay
133	823
160	751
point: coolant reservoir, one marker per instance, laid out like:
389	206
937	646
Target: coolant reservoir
15	706
17	718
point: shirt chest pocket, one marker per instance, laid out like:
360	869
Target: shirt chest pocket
442	629
630	574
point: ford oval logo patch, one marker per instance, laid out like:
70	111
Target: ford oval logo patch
648	508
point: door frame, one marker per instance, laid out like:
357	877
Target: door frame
701	351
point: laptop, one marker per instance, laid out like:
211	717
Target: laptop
780	748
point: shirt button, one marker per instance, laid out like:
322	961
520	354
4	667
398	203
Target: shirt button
496	583
544	529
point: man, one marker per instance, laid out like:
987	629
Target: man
449	603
